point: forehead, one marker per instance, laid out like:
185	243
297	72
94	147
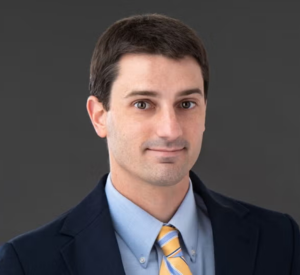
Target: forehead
157	72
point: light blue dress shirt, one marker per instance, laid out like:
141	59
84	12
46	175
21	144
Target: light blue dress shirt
136	232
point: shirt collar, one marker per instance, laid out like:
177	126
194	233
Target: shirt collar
139	230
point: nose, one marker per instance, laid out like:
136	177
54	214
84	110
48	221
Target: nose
168	125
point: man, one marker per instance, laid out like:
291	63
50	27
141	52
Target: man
151	214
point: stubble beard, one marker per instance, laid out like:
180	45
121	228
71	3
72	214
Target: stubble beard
164	173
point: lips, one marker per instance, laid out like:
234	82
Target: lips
166	153
165	150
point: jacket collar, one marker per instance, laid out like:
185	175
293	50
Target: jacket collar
94	249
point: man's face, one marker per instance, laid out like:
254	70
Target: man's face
149	116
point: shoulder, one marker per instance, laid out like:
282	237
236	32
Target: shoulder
48	232
259	215
278	232
38	247
272	224
40	250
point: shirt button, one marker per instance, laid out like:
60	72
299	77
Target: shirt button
193	252
142	260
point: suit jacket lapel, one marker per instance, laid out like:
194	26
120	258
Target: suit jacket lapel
235	237
93	249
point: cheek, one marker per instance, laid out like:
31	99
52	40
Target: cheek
194	125
124	131
194	134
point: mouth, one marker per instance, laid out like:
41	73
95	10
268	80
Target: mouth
166	152
166	149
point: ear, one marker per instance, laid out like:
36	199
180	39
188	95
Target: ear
97	114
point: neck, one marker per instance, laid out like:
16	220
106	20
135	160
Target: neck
159	201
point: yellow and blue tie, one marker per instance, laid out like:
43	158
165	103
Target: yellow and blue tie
173	261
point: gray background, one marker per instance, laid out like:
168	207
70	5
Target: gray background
50	155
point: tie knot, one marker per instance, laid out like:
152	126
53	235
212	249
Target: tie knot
168	241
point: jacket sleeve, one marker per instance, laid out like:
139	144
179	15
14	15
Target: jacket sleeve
9	261
295	266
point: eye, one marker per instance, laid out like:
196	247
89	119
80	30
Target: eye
141	104
188	104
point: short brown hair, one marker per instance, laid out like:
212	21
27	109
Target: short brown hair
148	33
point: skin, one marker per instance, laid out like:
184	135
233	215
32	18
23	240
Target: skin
139	128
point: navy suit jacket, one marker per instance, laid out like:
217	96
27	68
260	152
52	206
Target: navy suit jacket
248	240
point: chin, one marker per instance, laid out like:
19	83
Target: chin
166	177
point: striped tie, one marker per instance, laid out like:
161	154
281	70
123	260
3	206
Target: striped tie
173	261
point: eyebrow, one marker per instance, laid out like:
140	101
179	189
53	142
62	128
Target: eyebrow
156	94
